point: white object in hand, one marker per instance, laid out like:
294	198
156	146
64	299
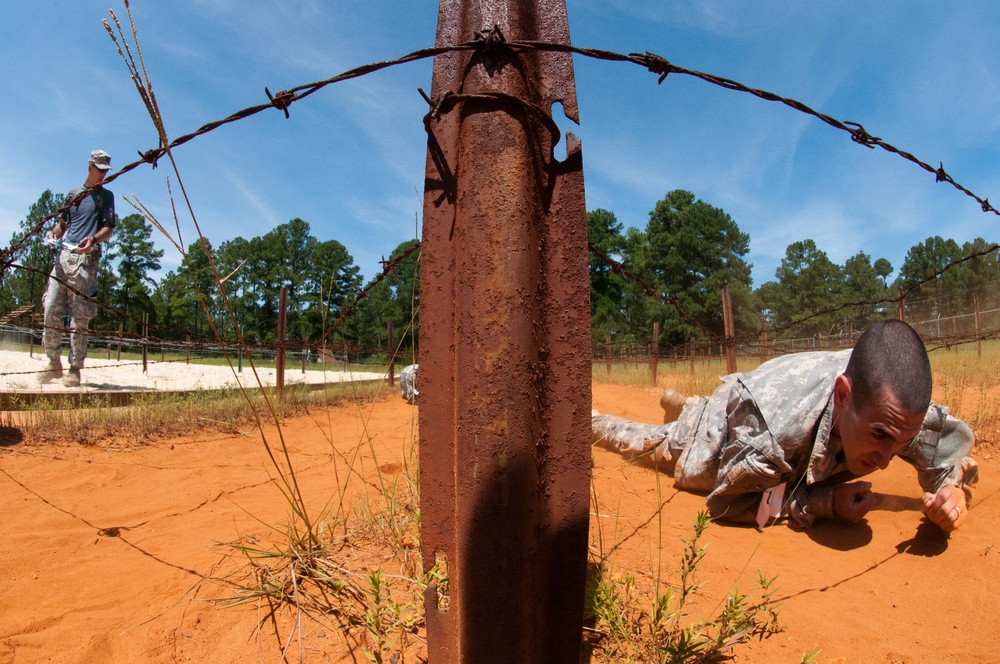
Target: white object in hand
61	244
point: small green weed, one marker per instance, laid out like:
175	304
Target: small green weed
659	629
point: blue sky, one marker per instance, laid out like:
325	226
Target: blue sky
921	75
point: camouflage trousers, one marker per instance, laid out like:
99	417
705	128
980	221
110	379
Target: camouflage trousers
408	383
689	449
71	291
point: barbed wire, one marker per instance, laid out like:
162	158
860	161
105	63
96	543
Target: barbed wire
648	290
486	41
388	267
888	300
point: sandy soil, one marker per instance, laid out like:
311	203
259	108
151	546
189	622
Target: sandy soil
19	373
887	590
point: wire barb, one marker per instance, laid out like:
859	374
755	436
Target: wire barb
281	101
862	137
656	64
490	40
151	156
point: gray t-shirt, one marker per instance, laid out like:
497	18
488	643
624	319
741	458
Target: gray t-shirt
82	220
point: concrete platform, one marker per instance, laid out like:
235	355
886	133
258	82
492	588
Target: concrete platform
117	382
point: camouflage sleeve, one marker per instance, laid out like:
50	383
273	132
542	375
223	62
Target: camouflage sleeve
746	462
752	461
940	453
743	479
631	439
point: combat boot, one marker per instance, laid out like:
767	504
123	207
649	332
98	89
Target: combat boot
672	402
72	378
53	371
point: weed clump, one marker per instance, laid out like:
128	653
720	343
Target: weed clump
629	626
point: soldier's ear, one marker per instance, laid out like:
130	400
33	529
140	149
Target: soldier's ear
842	392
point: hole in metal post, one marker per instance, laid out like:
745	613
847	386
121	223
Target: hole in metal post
438	577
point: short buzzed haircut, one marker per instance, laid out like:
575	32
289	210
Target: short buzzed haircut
890	356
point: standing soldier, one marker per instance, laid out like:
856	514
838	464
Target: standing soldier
72	288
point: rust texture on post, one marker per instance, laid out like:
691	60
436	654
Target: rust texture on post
504	344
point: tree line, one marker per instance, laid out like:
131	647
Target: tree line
688	250
320	276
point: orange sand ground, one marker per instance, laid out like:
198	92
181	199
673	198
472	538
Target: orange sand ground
887	590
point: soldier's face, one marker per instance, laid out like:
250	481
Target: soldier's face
872	433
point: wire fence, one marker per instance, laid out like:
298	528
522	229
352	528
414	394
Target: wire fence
487	42
938	332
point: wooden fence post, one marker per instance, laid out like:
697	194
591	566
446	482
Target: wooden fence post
279	348
730	329
390	353
979	331
145	343
763	342
654	352
691	354
607	352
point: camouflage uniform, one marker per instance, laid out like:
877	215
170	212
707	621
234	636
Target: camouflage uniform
771	427
73	282
71	290
408	383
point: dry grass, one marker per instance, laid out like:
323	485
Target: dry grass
969	384
153	416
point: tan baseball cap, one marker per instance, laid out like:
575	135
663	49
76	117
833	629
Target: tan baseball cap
100	159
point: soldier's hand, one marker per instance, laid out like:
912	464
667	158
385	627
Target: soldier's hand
946	508
853	501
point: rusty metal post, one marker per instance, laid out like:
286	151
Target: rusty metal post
504	344
902	304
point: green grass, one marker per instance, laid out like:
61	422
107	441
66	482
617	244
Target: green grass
656	626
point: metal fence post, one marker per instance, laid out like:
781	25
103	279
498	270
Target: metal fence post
504	344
